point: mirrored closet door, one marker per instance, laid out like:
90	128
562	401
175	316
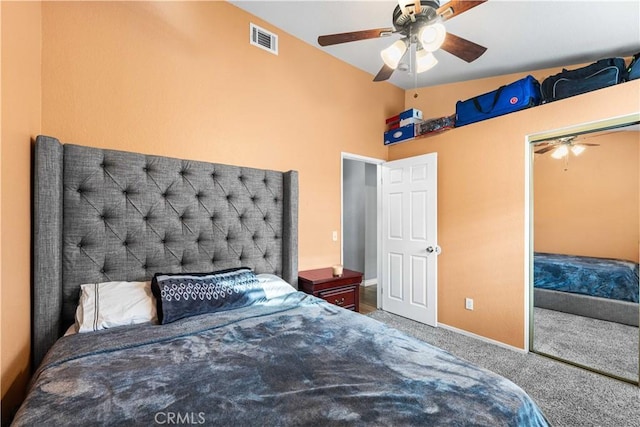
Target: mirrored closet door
586	234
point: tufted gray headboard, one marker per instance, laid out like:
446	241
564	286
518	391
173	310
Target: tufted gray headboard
104	215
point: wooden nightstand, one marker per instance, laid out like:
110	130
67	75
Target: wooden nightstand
341	290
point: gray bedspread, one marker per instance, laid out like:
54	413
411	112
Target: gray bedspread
292	360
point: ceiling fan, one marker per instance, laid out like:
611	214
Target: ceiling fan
421	24
562	146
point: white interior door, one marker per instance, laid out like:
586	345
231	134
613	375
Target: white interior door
409	238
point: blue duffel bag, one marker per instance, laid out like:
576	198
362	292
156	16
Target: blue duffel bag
603	73
516	96
633	72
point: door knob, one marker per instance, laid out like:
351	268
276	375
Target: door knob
434	249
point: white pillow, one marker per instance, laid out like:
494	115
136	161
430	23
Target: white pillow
274	286
109	304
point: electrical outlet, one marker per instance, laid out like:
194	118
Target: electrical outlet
335	236
468	303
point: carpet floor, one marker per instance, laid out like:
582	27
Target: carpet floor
568	396
606	346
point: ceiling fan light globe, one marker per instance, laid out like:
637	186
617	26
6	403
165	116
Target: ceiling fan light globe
432	36
577	149
425	61
560	152
393	54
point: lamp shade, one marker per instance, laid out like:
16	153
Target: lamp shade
424	61
432	36
394	53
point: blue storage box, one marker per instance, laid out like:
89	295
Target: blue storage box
411	113
403	133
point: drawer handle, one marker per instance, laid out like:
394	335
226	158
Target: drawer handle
339	301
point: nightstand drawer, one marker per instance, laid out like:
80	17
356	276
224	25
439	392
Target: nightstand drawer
343	297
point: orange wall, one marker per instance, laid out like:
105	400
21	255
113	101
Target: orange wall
21	118
589	208
181	79
481	197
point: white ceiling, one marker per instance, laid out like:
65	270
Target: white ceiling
522	35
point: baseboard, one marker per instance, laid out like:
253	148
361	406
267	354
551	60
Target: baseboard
481	338
370	282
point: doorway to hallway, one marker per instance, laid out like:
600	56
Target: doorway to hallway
360	223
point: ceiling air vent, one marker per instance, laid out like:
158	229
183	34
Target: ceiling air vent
263	39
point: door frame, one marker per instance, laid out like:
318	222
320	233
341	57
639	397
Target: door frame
378	162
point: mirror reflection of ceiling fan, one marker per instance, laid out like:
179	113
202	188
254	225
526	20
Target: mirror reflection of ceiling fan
421	24
563	145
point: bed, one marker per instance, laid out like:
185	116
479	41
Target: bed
600	288
267	355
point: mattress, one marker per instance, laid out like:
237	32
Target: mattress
289	360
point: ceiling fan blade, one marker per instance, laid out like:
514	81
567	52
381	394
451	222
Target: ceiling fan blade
456	7
545	149
331	39
543	144
384	73
462	48
593	135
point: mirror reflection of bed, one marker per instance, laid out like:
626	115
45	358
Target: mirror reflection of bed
586	238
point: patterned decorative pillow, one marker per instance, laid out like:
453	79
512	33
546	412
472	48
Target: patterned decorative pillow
190	294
